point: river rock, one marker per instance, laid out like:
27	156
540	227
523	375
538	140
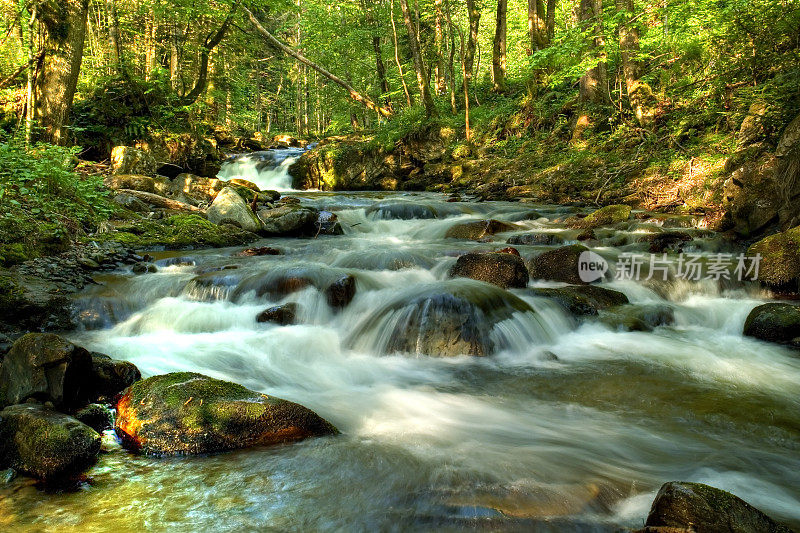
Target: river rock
45	367
441	319
134	182
479	229
780	259
230	208
774	322
131	203
605	216
96	416
110	377
535	238
328	224
189	413
581	300
560	264
284	315
401	210
43	443
341	292
129	160
196	190
505	270
289	221
668	241
702	508
259	251
638	317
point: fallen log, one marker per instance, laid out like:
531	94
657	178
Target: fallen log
161	201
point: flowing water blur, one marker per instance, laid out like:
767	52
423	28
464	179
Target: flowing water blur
571	427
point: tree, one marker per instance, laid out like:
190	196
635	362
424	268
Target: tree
419	66
64	24
499	49
640	95
474	15
541	23
594	82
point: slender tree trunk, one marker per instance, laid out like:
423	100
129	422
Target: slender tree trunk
441	83
419	66
114	38
206	47
465	86
355	95
151	34
468	60
175	40
65	31
551	19
33	69
499	49
593	84
380	69
409	98
640	95
451	63
538	25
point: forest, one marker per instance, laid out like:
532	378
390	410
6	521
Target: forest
524	265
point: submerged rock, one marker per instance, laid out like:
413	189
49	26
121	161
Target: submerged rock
479	229
443	319
284	315
535	238
560	264
189	413
230	208
257	252
284	280
505	270
774	322
341	292
43	443
698	507
401	210
668	241
96	416
638	317
581	300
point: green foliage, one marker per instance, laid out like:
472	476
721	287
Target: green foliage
43	201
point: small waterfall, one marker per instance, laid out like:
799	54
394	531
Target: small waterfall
269	169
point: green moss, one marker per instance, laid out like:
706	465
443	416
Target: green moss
780	257
610	214
176	232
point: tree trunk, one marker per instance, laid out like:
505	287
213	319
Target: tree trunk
210	42
538	25
499	49
640	95
465	85
441	83
64	22
114	38
409	98
380	69
593	84
355	95
175	40
419	66
468	61
150	44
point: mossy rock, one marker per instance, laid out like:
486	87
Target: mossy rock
560	264
479	229
605	216
774	322
505	270
780	258
43	443
582	300
178	232
699	507
189	413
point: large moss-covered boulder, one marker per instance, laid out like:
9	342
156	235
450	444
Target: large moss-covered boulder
635	317
505	270
780	258
581	300
230	208
134	182
130	160
45	367
560	264
196	189
289	220
698	507
479	229
43	443
189	413
605	216
774	322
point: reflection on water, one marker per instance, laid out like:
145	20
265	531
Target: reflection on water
569	426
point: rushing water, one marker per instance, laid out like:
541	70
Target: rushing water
269	170
571	427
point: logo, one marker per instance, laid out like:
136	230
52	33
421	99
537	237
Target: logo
591	266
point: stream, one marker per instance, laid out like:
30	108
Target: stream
572	425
